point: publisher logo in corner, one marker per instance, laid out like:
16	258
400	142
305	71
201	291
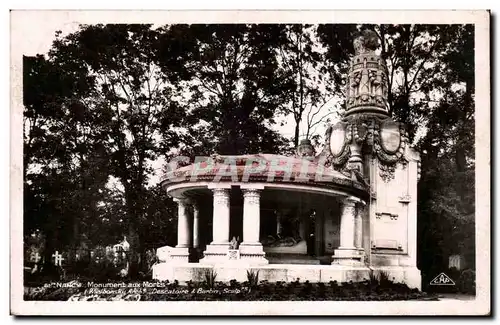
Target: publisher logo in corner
442	280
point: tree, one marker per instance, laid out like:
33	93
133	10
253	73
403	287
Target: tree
232	85
448	148
64	158
309	98
131	95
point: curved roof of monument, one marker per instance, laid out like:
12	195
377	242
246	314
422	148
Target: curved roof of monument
263	168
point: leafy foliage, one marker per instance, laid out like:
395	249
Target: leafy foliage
253	277
210	276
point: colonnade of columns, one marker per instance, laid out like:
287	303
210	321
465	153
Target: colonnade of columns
350	251
251	249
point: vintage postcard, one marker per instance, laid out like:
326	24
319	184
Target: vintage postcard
250	162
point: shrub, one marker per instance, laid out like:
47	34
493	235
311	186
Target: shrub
373	280
253	278
263	290
467	281
210	276
384	279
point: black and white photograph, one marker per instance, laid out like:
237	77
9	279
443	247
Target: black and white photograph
271	163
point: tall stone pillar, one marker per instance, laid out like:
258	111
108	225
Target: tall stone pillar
347	224
181	251
347	253
358	235
216	252
196	221
251	250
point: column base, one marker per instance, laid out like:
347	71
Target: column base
179	255
348	256
253	254
215	253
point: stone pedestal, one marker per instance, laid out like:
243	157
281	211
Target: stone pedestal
251	250
179	255
348	257
215	254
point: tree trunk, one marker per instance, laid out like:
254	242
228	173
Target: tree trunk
460	152
296	136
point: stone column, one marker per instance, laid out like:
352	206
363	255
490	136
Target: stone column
251	250
358	236
221	216
181	251
216	252
347	254
182	223
278	222
196	219
347	224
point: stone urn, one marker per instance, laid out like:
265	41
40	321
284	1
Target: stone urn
305	149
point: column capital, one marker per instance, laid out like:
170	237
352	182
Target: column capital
251	191
219	186
350	201
220	192
183	201
244	187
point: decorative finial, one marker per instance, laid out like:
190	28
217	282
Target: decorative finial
306	149
366	42
367	83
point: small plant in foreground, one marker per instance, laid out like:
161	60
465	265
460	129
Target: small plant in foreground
210	276
384	279
253	277
373	280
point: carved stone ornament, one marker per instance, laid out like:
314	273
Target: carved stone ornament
389	143
360	132
221	196
390	137
305	149
367	41
367	83
391	216
338	139
406	198
251	196
387	172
